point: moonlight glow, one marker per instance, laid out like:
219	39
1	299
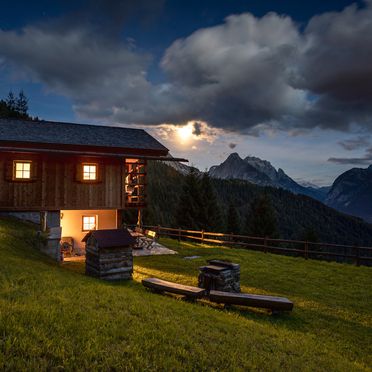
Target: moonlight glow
185	133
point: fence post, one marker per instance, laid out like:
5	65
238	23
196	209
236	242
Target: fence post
158	228
202	236
179	235
265	244
306	252
357	261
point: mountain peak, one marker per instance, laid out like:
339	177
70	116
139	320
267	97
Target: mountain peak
234	156
260	172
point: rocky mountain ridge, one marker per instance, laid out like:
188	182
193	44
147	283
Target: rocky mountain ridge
351	193
261	172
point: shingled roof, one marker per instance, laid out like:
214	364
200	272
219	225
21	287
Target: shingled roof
111	237
60	133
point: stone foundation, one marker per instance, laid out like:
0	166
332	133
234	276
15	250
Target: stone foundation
109	254
220	276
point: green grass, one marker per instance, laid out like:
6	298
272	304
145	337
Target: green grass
53	317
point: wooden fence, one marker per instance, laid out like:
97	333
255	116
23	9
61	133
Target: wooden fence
326	251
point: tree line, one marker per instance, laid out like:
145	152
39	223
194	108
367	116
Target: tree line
174	200
15	106
200	209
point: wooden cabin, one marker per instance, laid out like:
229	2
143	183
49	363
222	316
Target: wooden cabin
78	177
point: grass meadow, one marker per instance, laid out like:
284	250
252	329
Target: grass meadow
53	317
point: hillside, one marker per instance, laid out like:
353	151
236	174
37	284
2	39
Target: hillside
352	193
55	318
295	213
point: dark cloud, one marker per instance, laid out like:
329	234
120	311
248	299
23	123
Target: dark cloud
197	129
335	65
365	160
96	74
227	74
247	74
355	143
232	145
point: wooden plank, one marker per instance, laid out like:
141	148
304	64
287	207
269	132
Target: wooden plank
243	299
56	186
170	287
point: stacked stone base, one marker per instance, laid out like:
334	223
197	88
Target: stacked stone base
109	263
220	276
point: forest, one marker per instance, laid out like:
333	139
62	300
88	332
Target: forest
196	201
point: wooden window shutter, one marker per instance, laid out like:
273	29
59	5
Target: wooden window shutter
34	170
9	170
79	172
100	171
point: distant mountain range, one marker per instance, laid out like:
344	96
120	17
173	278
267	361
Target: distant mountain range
261	172
350	193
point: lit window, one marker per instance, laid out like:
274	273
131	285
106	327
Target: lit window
89	223
22	170
89	172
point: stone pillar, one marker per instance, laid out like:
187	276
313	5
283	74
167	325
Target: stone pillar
51	225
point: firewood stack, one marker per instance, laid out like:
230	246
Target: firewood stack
220	276
109	254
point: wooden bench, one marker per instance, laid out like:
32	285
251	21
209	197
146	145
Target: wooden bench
159	285
146	239
276	304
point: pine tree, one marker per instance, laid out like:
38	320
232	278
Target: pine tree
13	107
210	209
21	104
188	211
11	101
233	224
261	220
310	235
4	110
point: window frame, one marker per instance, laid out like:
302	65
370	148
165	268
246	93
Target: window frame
14	171
89	216
90	180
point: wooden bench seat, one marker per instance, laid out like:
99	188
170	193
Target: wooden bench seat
146	238
160	285
267	302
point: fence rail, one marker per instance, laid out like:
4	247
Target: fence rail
314	250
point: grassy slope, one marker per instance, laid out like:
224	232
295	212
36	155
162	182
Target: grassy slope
54	316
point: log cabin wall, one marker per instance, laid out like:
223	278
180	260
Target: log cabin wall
56	183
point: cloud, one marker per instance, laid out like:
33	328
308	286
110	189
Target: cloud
232	145
96	74
197	129
335	66
227	74
354	143
245	75
365	160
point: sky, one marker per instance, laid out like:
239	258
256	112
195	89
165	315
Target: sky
286	81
